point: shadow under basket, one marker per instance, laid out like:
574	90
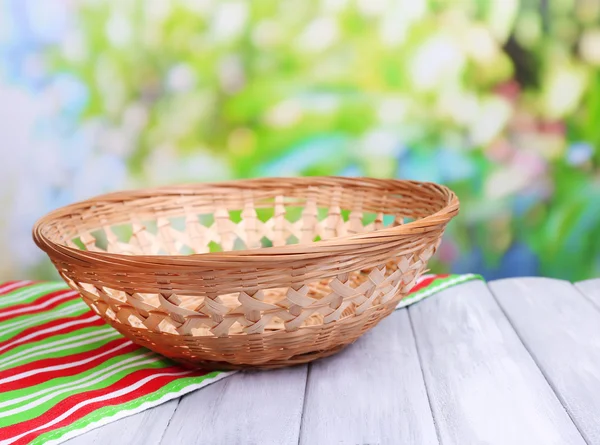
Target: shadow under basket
259	273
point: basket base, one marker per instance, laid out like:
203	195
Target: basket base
272	364
259	351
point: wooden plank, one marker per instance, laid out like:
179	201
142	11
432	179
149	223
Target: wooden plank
561	330
591	289
370	393
246	408
145	428
483	385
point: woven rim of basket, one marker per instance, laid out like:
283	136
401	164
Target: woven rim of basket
263	254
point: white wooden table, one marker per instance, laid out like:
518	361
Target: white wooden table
516	361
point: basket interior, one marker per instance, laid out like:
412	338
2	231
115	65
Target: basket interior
227	231
230	220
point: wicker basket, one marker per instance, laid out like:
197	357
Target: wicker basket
256	273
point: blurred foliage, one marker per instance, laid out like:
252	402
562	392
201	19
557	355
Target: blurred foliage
499	99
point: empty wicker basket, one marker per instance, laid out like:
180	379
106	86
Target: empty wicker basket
255	273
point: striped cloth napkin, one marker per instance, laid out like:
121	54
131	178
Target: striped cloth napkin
63	371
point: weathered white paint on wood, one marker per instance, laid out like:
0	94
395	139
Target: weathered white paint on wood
370	393
591	289
561	329
145	428
483	385
246	408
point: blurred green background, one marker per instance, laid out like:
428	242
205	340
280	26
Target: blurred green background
499	99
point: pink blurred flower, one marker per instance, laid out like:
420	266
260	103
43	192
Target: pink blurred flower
530	163
509	90
554	127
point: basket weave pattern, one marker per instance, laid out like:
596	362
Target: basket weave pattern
261	273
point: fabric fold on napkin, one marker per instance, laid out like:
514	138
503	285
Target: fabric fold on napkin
63	371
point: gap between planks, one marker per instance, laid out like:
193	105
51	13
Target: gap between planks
427	390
